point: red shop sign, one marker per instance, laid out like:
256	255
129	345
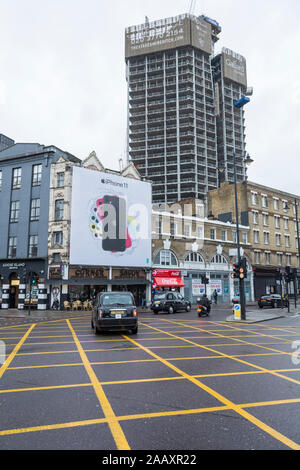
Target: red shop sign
166	273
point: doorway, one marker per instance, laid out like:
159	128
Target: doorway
14	282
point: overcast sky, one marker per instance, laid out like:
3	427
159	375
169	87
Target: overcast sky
62	75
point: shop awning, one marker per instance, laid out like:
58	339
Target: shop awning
168	282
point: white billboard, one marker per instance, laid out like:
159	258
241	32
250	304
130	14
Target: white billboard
110	220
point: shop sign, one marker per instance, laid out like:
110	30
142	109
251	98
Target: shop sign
166	273
216	285
55	273
13	265
88	273
197	287
129	274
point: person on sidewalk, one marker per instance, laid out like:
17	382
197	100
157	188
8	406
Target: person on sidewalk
215	296
144	303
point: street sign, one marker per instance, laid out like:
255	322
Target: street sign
237	311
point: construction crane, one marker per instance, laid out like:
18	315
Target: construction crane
192	7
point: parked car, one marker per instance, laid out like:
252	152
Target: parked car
272	300
115	311
169	302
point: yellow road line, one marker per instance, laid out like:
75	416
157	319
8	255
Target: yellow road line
113	423
159	379
94	363
268	429
236	358
14	352
90	422
50	387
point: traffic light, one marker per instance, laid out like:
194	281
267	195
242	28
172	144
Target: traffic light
289	275
204	279
34	279
236	271
244	267
239	270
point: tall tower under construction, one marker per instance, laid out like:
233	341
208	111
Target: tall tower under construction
172	105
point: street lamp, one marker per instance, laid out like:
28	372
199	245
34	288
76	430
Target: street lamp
286	207
239	104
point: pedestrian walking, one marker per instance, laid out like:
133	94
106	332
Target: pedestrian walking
215	296
144	304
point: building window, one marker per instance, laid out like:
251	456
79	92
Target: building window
278	239
33	246
234	236
255	236
219	259
12	247
254	198
277	221
36	175
212	233
288	260
279	259
257	257
224	235
158	225
194	258
200	232
166	258
17	175
59	209
14	211
187	230
286	223
57	238
276	204
244	237
35	209
267	257
264	201
266	238
284	205
60	180
0	180
255	217
265	219
287	240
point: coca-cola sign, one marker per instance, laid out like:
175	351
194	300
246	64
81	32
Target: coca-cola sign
166	273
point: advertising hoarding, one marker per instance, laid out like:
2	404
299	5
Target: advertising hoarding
201	35
167	34
234	66
110	220
157	36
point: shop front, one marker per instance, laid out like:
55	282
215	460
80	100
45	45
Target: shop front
217	282
84	283
15	284
167	279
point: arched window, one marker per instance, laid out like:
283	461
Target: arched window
194	258
166	258
219	259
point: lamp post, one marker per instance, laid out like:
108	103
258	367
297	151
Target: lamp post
239	104
248	161
286	207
